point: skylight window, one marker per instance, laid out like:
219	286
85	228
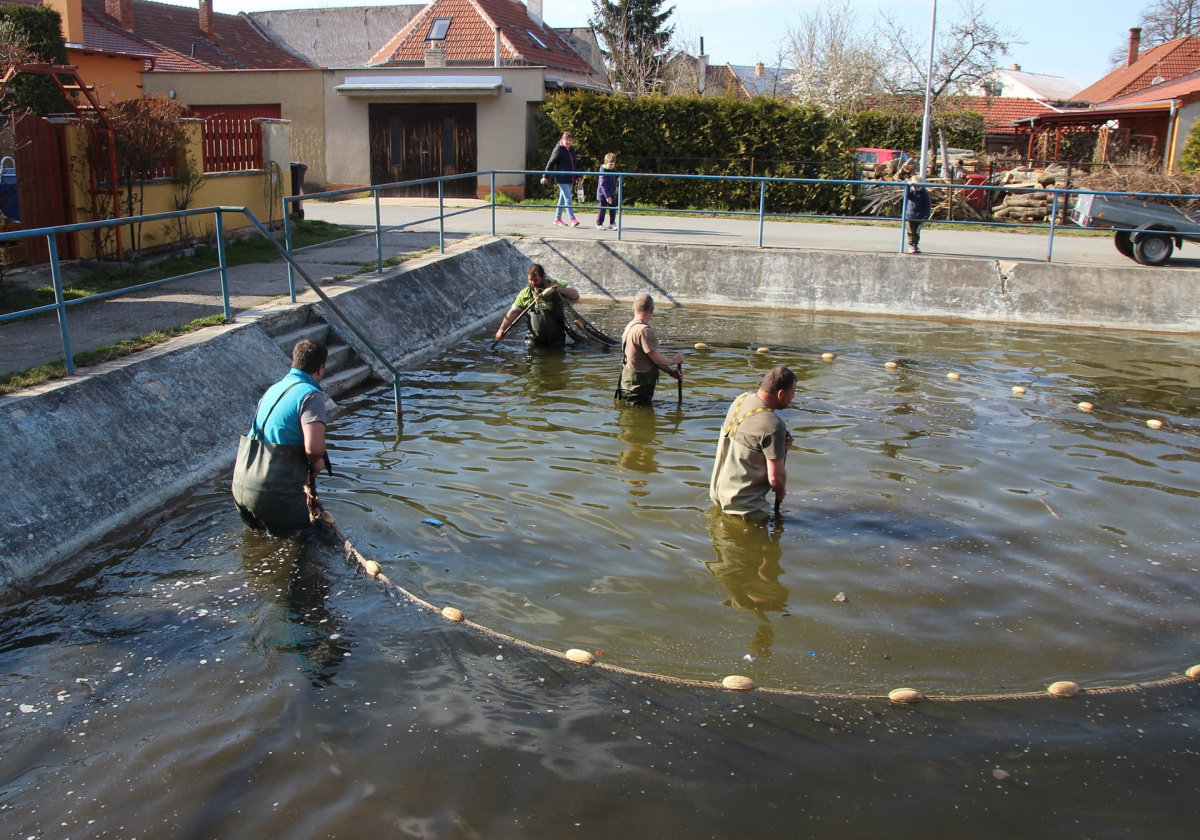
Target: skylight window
537	40
437	32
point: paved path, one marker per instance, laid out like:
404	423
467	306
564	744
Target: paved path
34	342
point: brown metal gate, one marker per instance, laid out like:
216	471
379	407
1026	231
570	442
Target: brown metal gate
43	185
410	142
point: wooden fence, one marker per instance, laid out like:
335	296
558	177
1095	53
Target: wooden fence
232	144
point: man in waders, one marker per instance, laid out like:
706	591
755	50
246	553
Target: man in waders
642	359
543	299
752	449
285	449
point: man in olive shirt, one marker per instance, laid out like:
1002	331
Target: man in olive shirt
543	299
642	358
752	449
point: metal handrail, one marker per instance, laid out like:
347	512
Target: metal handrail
61	304
1056	195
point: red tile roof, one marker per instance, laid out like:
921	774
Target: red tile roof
173	32
472	36
1184	87
998	111
98	36
1170	61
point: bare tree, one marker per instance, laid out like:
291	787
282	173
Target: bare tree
967	52
1160	22
837	61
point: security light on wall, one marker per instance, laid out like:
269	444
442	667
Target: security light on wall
437	32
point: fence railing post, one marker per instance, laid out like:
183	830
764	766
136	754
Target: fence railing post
762	209
620	204
1053	220
903	213
287	246
60	302
378	233
442	215
493	202
225	267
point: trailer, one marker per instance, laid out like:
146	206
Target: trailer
1143	231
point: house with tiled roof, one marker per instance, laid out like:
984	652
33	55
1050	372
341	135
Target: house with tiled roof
488	32
454	89
1144	109
1141	70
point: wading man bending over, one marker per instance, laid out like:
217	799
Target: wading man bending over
543	298
642	359
285	449
752	449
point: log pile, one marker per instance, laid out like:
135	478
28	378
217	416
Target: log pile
1029	204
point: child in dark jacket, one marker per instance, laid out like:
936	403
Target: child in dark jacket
916	212
606	192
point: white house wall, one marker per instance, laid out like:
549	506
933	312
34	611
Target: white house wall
502	119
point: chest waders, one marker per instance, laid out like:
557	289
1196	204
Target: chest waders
547	324
635	386
268	481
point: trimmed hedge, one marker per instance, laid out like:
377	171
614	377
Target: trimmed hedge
687	135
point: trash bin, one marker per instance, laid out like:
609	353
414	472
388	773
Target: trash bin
9	206
298	170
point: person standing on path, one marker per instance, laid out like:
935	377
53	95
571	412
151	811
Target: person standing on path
916	212
606	192
562	164
278	461
642	360
752	449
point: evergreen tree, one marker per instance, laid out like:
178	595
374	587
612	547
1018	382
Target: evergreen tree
32	34
635	37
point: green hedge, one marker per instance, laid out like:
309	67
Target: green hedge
693	136
687	135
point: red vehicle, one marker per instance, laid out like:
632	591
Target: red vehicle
873	156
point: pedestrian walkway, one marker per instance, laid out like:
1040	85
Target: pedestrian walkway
33	342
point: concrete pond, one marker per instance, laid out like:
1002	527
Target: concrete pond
957	523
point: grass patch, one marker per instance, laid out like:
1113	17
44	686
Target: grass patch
253	249
57	370
400	258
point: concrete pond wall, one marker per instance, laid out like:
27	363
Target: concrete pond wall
89	455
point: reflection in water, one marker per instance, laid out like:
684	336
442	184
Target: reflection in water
297	575
747	567
638	431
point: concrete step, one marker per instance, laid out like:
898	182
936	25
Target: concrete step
317	331
334	385
341	356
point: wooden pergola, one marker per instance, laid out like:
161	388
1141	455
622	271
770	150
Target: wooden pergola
1118	130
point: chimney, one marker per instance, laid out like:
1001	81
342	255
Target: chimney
1135	43
759	70
206	21
1016	67
496	59
535	11
435	57
121	11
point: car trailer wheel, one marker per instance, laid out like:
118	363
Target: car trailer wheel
1123	239
1153	248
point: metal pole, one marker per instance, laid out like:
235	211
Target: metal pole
225	267
903	216
762	206
378	234
1053	219
928	93
287	245
60	302
620	204
493	202
396	393
441	216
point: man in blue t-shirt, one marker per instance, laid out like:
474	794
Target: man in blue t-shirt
285	448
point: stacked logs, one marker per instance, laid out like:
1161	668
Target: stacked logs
1030	206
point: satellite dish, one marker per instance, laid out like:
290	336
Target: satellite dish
1157	80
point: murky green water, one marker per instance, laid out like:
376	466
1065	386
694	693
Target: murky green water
979	541
191	679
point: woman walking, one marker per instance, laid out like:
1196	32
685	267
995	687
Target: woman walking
562	164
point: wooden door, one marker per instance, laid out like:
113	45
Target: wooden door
411	142
43	185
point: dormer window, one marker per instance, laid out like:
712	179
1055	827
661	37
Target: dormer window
437	32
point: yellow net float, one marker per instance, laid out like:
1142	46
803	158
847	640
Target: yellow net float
580	657
736	682
905	696
1063	689
452	614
